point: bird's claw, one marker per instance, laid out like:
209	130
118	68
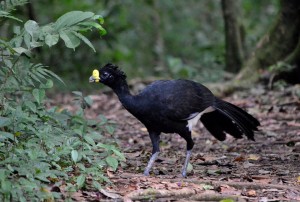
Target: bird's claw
183	174
146	173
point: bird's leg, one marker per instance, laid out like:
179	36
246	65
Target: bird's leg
189	147
155	151
186	162
150	163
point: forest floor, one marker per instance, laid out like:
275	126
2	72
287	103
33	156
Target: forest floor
267	169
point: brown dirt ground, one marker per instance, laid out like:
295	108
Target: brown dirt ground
265	170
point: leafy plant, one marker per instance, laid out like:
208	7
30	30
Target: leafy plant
43	148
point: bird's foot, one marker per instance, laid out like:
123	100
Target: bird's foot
183	173
146	173
186	163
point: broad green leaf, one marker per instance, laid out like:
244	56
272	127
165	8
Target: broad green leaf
227	200
27	40
6	187
21	50
119	154
105	146
31	105
51	39
74	155
88	100
80	180
39	95
81	166
89	140
99	18
112	162
97	185
71	41
110	129
79	131
4	121
4	14
95	25
7	135
32	28
85	40
47	85
48	72
78	93
72	18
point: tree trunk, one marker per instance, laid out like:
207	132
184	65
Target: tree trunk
233	40
280	44
159	45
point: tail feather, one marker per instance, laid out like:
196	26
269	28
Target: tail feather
230	119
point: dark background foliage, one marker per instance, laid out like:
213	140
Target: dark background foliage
169	38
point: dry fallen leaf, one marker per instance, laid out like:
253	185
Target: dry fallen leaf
110	194
253	157
251	193
239	159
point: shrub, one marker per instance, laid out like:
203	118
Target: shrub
42	149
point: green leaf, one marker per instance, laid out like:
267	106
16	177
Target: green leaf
95	25
88	100
51	39
119	154
4	14
71	41
21	50
4	121
7	135
110	129
74	155
85	40
97	185
30	105
48	84
112	162
227	200
89	140
52	74
32	28
39	95
78	93
72	18
80	180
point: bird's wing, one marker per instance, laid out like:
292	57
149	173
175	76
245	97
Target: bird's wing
179	100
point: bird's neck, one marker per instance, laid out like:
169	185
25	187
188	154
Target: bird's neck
124	95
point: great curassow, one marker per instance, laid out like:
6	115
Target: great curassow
175	106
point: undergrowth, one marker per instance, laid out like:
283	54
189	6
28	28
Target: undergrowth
45	152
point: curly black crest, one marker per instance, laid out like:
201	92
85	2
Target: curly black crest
115	69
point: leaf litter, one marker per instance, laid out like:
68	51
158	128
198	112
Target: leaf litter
240	170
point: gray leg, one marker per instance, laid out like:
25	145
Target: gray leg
186	162
189	146
150	163
154	136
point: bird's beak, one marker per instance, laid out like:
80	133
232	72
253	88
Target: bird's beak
95	78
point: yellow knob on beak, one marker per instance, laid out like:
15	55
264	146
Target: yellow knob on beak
95	76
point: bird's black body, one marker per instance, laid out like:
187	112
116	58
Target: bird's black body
162	106
175	106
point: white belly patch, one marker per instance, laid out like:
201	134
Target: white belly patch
194	117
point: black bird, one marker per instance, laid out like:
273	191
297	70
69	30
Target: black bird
175	106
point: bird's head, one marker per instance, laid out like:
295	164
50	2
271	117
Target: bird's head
109	75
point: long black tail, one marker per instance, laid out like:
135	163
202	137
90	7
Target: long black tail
230	119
